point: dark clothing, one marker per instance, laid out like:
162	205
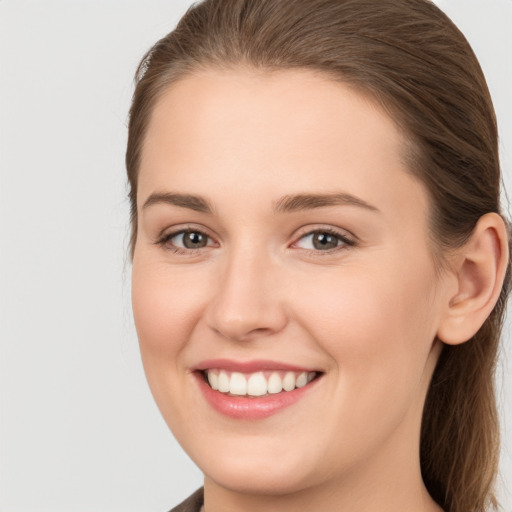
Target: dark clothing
192	504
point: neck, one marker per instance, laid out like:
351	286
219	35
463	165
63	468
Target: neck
219	499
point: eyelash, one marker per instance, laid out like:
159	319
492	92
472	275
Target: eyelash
344	241
163	240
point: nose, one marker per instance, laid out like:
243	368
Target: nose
247	302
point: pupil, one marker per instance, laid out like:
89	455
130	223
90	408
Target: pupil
325	241
193	240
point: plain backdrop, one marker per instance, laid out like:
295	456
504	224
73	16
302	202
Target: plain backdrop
78	428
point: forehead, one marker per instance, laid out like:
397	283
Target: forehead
265	129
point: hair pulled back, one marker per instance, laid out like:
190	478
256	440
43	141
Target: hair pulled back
412	59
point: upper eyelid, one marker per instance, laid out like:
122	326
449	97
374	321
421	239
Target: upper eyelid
173	234
164	238
343	234
329	231
170	232
346	241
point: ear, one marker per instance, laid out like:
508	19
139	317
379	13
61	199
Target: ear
479	267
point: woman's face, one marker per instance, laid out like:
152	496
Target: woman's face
282	242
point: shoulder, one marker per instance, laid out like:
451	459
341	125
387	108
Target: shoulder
192	504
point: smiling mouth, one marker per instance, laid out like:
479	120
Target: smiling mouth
256	384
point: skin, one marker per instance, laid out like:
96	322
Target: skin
366	314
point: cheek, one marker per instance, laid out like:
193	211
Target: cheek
165	306
378	330
377	326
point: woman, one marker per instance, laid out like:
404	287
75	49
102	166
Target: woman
320	263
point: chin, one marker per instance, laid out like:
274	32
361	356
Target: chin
249	479
262	470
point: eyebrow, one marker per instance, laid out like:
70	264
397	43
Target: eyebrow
286	204
192	202
293	203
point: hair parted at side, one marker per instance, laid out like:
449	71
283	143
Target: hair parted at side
412	59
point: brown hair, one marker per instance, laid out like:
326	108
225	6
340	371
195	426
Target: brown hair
413	60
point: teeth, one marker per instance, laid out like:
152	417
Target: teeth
257	384
302	380
213	379
223	382
275	384
237	384
289	381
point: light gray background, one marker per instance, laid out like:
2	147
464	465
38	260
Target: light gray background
78	427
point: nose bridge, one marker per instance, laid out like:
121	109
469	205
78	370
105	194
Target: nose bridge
246	302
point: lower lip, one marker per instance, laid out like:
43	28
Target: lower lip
251	408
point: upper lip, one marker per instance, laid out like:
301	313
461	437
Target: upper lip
249	366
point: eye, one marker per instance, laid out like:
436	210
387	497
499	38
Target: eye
186	240
323	240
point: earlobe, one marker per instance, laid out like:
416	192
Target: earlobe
480	269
